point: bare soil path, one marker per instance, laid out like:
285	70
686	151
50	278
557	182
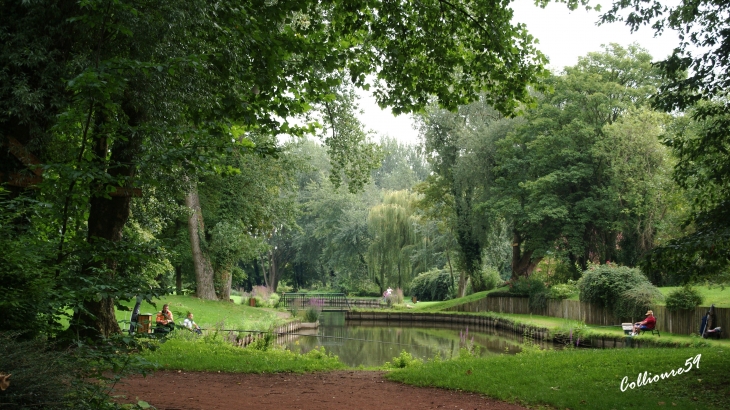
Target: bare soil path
167	390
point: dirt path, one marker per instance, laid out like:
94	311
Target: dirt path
320	391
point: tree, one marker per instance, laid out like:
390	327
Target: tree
559	178
135	90
392	226
697	80
461	147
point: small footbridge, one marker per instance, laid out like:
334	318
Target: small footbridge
327	301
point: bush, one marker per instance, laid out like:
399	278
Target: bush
39	374
490	280
402	361
532	287
264	297
684	298
607	286
314	310
636	301
525	286
434	285
563	290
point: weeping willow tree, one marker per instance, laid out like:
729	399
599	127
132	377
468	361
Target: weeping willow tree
392	226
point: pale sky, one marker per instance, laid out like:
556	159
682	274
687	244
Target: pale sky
563	36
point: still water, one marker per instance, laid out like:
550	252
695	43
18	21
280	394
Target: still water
372	343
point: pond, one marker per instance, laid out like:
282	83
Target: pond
372	343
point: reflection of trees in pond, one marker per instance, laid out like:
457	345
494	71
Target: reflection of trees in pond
374	343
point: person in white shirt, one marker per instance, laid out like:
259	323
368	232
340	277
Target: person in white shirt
190	324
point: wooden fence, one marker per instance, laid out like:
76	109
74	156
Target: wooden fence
679	322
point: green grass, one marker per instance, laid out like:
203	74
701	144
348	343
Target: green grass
437	306
210	312
584	379
717	295
183	352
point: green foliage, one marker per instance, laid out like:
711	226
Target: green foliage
605	285
263	342
392	226
584	170
491	278
150	109
697	78
563	290
40	375
311	314
683	298
525	286
461	150
636	301
433	285
403	360
45	376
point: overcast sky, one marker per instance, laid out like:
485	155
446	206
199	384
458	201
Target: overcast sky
563	36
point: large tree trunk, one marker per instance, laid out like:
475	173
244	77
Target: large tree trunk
205	288
523	264
178	279
107	217
225	290
273	281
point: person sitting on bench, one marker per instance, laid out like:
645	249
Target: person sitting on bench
647	324
165	321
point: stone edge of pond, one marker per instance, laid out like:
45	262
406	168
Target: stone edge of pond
509	325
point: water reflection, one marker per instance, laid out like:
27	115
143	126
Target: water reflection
372	343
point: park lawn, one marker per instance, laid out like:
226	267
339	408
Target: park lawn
438	306
716	295
187	352
209	313
585	378
719	296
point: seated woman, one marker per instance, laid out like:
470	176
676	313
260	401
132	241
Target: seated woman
165	321
190	324
646	324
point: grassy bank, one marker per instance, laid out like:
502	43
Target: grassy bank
208	313
719	296
585	379
211	354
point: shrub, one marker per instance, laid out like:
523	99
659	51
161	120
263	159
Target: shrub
313	310
434	285
684	298
605	285
40	376
563	290
636	301
402	361
264	297
525	286
263	342
491	277
532	287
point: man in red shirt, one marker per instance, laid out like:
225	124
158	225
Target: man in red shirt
646	324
